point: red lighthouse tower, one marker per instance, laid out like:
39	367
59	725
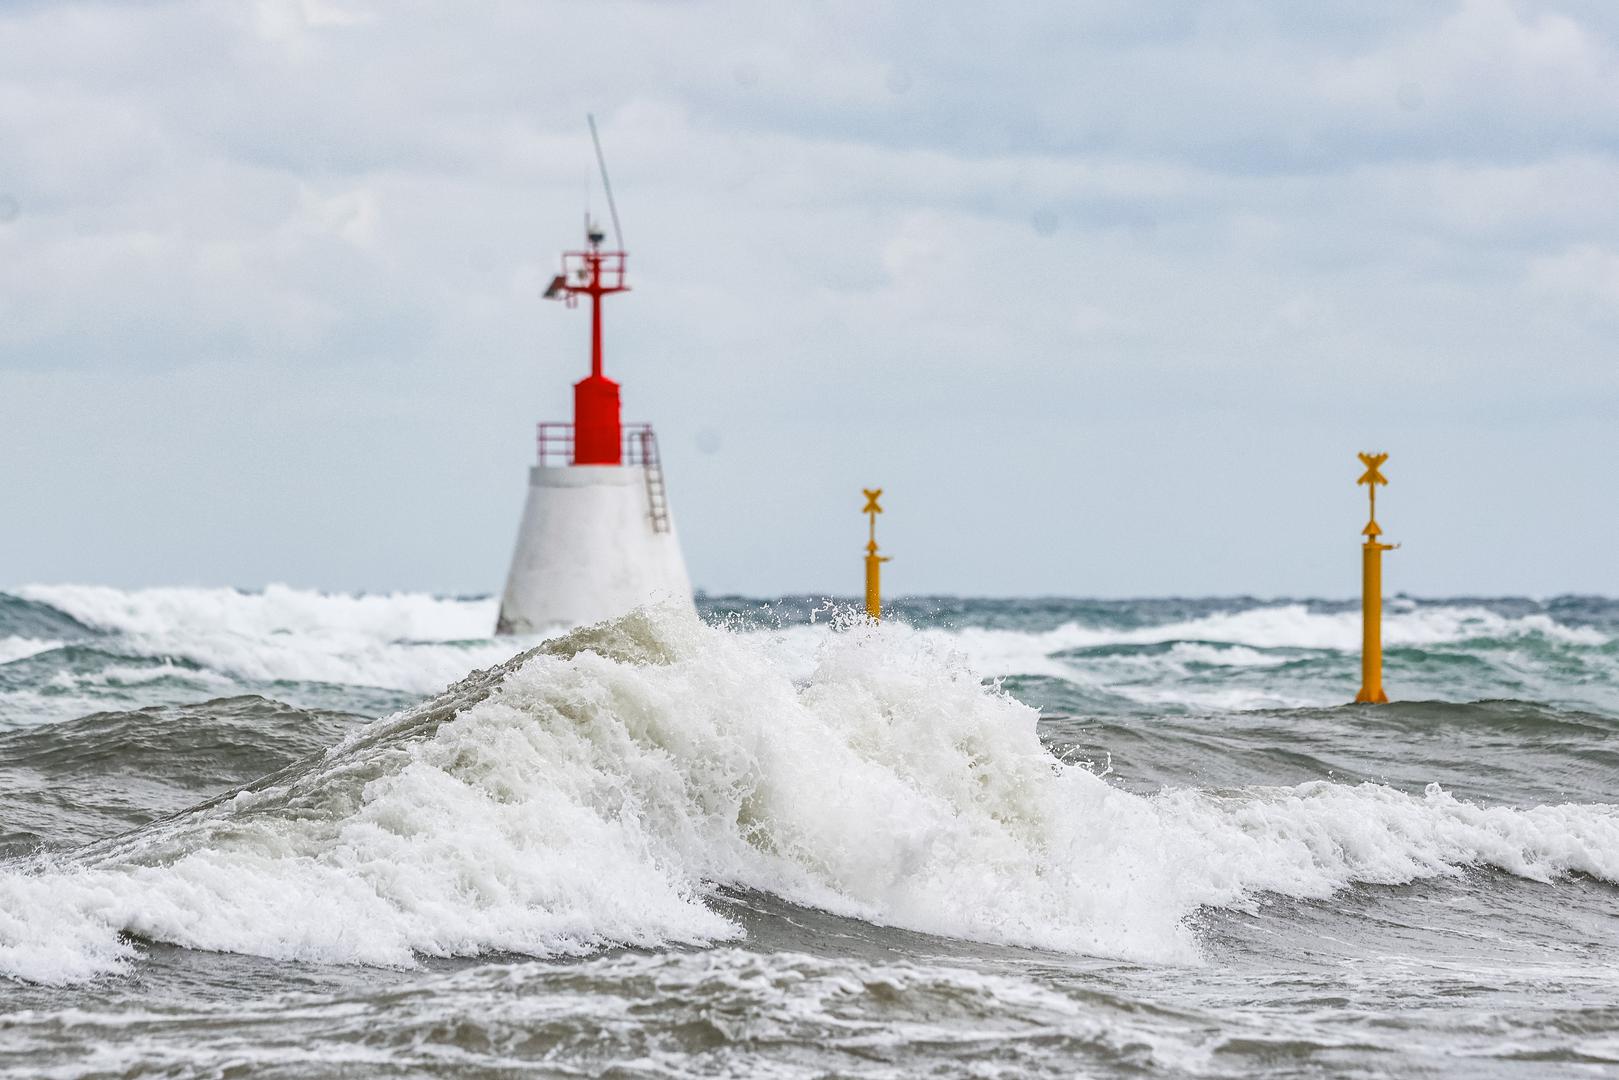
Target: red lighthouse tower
597	427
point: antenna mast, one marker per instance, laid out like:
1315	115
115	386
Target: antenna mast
597	429
607	185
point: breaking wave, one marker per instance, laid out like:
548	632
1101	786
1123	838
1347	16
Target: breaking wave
406	641
596	790
1231	638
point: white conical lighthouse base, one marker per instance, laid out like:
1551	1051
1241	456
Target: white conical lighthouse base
587	550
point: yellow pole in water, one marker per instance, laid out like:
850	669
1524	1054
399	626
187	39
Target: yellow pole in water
874	562
1371	584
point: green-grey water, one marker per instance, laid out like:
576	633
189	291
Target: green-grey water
990	838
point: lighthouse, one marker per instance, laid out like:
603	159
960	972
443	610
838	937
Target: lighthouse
597	537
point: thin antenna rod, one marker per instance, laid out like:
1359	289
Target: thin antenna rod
612	207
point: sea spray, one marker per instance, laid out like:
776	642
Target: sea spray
596	790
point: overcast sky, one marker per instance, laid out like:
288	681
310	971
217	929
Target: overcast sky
1105	295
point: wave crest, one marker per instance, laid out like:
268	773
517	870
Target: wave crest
596	790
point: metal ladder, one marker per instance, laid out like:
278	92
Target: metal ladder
657	497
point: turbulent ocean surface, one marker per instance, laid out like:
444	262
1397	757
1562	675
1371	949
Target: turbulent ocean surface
286	834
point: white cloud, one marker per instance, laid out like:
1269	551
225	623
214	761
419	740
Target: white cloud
1498	63
279	20
349	215
1584	273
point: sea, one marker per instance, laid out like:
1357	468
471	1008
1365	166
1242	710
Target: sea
287	833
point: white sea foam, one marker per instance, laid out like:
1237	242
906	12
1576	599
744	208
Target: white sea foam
595	792
416	643
402	641
1241	656
15	648
1278	626
862	1015
277	609
1217	698
129	675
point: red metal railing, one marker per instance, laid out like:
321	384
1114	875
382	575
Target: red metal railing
556	444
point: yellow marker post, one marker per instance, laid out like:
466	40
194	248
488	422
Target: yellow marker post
874	562
1371	584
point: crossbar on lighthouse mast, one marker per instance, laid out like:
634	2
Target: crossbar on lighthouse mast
597	423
